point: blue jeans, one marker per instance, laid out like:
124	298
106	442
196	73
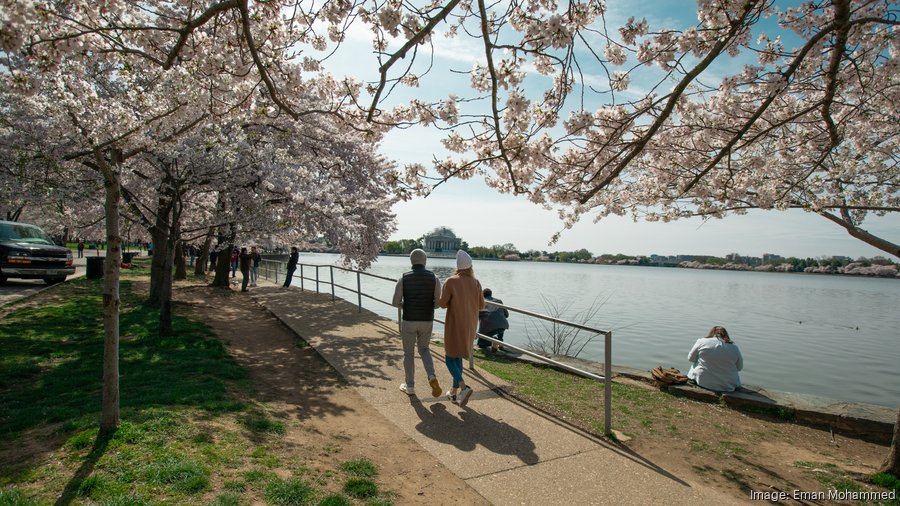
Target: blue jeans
289	277
455	366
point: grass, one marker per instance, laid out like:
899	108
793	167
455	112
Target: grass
635	410
52	356
190	432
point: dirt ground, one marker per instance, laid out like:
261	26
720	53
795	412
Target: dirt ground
329	422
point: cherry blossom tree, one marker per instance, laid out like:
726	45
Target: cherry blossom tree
635	119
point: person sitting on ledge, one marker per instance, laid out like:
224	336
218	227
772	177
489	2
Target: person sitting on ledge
715	362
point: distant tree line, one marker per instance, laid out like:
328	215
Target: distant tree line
876	266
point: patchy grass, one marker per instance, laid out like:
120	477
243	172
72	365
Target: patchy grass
362	468
361	488
190	431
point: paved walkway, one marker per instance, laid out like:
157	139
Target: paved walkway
505	450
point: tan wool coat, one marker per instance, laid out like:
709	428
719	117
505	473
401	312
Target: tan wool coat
462	297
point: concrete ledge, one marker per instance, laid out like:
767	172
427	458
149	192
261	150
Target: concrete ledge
865	421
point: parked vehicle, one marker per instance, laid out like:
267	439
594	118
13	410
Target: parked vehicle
27	252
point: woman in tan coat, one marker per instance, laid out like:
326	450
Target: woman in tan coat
463	299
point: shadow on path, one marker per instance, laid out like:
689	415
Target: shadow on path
471	429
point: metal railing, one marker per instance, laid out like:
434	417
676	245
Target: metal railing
271	269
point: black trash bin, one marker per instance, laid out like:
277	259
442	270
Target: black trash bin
95	267
128	256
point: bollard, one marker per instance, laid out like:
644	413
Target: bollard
331	270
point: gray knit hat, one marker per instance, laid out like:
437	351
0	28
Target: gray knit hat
417	257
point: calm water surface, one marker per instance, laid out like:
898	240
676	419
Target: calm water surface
833	336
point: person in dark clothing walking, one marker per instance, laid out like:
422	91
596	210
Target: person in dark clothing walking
245	261
291	266
417	293
213	255
254	267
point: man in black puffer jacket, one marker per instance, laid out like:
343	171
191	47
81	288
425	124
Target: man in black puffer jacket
417	293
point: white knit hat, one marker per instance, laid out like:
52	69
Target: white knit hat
463	260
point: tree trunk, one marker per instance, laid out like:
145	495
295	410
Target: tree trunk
159	234
892	463
109	417
180	262
223	260
173	250
200	266
223	267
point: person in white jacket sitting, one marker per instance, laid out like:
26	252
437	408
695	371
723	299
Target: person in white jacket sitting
715	362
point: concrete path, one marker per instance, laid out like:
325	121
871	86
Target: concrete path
508	452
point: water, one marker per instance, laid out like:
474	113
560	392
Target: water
831	336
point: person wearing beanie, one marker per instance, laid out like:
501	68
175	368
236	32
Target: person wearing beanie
463	298
417	292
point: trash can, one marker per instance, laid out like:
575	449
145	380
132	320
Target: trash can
95	267
128	256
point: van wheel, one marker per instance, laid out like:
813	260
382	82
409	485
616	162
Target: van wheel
53	281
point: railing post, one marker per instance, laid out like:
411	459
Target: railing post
301	277
276	273
399	320
317	279
331	270
607	393
359	290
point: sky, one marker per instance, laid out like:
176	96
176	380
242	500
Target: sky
483	217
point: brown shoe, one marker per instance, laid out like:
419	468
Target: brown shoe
435	386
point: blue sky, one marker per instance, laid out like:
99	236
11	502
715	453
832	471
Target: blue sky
483	217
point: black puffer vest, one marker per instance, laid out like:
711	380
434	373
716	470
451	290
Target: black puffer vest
418	294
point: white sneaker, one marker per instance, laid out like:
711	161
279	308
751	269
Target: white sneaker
407	390
464	396
451	397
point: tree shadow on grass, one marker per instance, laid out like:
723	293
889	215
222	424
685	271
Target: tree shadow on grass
87	467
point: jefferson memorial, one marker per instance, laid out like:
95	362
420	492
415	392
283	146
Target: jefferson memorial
441	240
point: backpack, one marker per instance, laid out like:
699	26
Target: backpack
670	376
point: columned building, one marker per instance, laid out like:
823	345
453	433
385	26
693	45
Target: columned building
441	240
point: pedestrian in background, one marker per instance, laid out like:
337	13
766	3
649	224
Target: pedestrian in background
81	248
492	322
213	257
235	257
245	260
463	298
291	266
254	267
417	292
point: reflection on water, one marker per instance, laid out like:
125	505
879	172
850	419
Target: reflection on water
825	335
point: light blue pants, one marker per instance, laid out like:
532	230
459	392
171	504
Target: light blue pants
455	366
416	335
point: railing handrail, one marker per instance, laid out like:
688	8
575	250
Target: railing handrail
606	378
